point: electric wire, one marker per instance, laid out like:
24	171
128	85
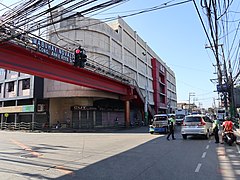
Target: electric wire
61	37
105	20
91	9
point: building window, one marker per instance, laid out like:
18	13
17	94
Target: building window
25	84
10	86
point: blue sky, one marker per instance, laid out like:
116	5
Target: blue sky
177	36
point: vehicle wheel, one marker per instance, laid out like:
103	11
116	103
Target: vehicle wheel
151	132
184	136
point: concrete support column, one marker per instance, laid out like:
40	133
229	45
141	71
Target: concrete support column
15	114
15	120
127	113
34	102
2	121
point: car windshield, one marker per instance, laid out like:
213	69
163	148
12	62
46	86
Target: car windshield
180	116
161	118
193	119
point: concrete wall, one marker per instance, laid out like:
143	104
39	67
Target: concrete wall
115	45
56	89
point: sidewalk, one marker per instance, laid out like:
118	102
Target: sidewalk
238	132
98	130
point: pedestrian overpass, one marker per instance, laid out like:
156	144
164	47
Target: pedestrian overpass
31	55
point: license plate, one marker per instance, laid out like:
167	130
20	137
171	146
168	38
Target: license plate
192	126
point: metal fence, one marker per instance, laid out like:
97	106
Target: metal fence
22	126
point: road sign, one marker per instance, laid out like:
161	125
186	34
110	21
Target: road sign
222	88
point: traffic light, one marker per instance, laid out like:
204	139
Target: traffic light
77	57
80	57
83	58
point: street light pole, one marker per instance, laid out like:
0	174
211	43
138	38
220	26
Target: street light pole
146	94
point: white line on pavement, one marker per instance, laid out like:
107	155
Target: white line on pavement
207	146
204	154
198	167
238	148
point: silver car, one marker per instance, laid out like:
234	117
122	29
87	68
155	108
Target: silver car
197	125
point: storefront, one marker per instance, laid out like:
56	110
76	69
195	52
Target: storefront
88	117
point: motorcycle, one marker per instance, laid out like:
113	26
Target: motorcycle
229	138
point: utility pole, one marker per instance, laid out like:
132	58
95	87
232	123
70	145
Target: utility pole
226	78
222	73
213	24
231	92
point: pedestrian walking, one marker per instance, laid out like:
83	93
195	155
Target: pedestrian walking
171	128
216	128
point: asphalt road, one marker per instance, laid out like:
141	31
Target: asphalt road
121	155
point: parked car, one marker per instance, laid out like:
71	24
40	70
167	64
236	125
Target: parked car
197	125
159	124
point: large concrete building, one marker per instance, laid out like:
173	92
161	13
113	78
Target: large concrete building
116	46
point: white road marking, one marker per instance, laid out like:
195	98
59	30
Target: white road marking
204	154
198	167
238	148
207	146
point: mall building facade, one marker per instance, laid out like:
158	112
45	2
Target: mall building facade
27	98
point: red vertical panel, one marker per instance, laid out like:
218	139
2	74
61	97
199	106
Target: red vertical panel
156	69
156	88
165	87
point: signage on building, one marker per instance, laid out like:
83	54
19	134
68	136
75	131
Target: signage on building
28	108
77	108
93	108
52	50
17	109
41	108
